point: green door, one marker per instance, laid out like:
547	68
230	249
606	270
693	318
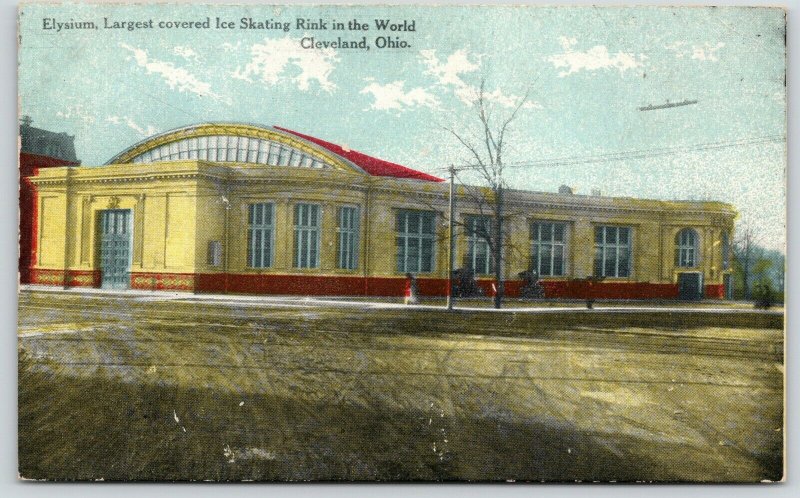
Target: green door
690	286
115	248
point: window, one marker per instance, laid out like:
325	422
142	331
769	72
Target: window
726	251
213	142
415	234
259	235
241	151
233	145
306	235
283	159
230	148
263	151
274	150
549	248
183	148
214	253
612	256
252	151
479	232
686	248
348	238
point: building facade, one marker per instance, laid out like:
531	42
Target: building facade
38	149
250	209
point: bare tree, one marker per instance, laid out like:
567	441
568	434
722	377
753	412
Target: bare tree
486	157
748	252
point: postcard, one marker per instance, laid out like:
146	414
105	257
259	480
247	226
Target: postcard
401	243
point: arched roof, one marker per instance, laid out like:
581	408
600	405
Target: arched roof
247	143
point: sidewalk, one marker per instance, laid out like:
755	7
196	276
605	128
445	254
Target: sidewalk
514	306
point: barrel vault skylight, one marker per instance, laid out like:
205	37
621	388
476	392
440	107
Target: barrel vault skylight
232	149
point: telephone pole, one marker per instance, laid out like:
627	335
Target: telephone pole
451	299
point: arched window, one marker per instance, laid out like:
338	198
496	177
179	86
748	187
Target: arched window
686	248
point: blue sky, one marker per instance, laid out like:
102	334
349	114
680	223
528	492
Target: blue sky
586	72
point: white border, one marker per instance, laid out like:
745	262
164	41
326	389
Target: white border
9	486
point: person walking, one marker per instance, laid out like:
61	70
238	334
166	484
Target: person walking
411	290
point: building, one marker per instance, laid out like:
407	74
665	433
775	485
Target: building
38	149
250	209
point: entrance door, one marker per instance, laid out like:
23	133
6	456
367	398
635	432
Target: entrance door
727	281
690	286
115	248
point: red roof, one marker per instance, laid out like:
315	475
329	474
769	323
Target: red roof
28	163
372	165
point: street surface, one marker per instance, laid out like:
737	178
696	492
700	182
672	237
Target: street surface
177	387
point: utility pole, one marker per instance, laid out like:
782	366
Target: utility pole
451	299
498	249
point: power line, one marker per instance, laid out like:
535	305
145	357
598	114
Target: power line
632	154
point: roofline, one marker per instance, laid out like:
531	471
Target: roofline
271	129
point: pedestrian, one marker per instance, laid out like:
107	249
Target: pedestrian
411	289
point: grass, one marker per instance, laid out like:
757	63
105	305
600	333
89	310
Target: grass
152	391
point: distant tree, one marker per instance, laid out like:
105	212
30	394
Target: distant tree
746	252
754	264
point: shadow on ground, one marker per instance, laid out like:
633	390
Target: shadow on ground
99	428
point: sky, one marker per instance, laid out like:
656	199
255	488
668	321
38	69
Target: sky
580	74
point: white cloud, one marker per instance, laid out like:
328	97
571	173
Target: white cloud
499	98
597	57
704	52
230	47
77	112
278	60
448	74
393	96
187	53
130	123
175	77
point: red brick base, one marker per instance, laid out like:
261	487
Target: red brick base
312	285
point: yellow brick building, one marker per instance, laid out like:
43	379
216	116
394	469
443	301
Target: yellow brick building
251	209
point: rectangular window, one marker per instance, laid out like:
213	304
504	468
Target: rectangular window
263	151
202	148
479	232
549	248
283	160
612	254
274	151
348	238
241	151
252	150
306	235
184	149
214	253
212	148
415	241
260	232
233	146
192	148
222	148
